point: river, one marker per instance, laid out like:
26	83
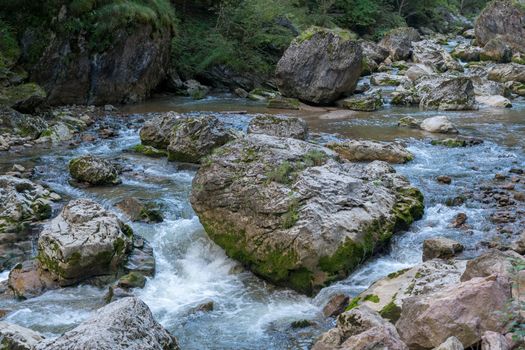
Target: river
249	313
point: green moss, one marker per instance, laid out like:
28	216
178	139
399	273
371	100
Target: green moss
278	266
41	210
132	280
310	32
353	303
127	230
397	273
291	216
283	103
47	133
282	173
372	298
149	151
451	143
314	158
391	311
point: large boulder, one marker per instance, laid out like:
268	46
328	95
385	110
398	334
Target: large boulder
465	311
320	66
126	70
124	324
497	101
386	295
295	215
373	55
367	151
432	54
93	171
399	42
27	280
22	202
279	126
14	337
502	19
24	125
496	50
82	242
507	72
493	262
451	343
359	329
156	131
446	93
194	138
363	103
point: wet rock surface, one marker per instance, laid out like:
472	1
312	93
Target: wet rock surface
367	151
279	126
84	241
94	171
261	186
124	324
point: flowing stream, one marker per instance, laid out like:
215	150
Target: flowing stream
191	270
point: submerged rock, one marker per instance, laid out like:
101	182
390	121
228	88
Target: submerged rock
399	42
14	337
84	241
320	66
465	311
192	139
294	215
124	324
94	171
279	126
367	151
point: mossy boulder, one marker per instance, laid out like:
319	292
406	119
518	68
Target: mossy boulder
82	242
139	210
367	151
149	151
156	131
319	66
193	138
447	93
276	205
24	98
496	50
94	171
364	103
398	42
283	103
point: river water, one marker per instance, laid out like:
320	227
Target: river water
191	270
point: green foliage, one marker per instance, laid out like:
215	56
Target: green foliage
372	298
353	303
513	313
9	50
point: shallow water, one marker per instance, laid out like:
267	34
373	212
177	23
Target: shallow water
191	270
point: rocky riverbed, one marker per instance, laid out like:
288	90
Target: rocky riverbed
393	217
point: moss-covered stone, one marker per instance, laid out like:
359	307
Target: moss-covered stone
149	151
391	311
283	103
132	280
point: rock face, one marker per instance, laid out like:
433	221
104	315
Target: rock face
367	151
360	329
319	66
294	215
279	126
125	72
194	138
156	132
399	42
84	241
94	171
124	324
14	337
22	202
502	19
446	93
441	248
496	50
439	124
465	311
